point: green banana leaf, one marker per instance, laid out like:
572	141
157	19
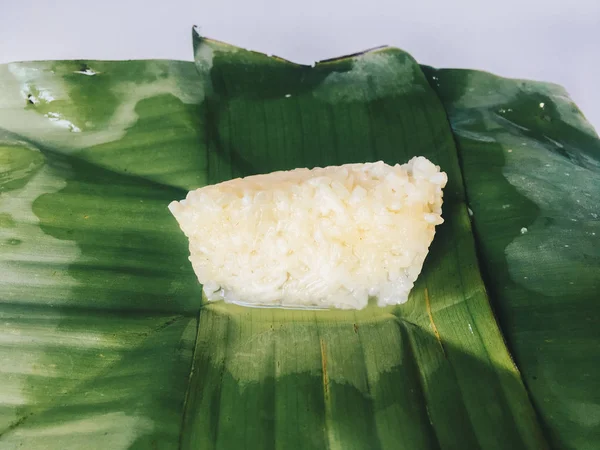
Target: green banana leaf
531	165
106	343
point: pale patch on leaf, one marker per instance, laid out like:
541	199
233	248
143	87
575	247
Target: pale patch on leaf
373	75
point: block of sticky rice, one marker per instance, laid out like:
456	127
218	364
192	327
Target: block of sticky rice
324	237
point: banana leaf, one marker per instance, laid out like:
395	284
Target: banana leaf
98	302
531	165
106	342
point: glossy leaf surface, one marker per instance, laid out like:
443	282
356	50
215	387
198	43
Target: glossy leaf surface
106	343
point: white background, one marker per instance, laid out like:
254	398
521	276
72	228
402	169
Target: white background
551	40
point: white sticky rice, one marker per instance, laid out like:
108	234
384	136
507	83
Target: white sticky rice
325	237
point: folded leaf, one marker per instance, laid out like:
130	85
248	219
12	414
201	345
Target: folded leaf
532	171
433	372
98	303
